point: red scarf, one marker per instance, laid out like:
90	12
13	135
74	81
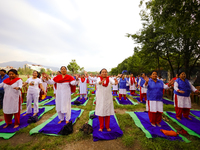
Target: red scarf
10	82
82	80
67	78
132	80
107	81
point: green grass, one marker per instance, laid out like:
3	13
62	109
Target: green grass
132	138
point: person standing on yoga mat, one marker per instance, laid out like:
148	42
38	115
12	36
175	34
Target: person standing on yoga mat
182	101
65	85
12	100
33	93
83	86
122	87
104	104
154	103
115	87
143	90
127	84
132	82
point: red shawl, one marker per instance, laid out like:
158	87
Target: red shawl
82	80
10	82
107	81
67	78
132	80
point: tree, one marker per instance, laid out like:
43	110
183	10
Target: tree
74	67
42	70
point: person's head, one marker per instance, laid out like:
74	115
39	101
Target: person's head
63	70
103	73
127	76
58	73
82	76
131	75
154	75
35	74
39	75
143	75
12	73
2	72
182	75
177	75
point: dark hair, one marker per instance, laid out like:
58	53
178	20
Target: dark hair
180	73
3	70
39	75
64	67
59	72
102	70
14	71
142	74
154	71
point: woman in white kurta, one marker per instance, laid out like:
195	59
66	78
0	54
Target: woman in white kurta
65	84
132	82
33	93
182	101
104	105
115	87
12	100
83	86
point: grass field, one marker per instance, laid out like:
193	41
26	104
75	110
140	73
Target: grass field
133	137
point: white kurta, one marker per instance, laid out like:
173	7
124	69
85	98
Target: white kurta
183	101
63	97
115	87
132	87
11	97
155	106
83	86
104	101
143	89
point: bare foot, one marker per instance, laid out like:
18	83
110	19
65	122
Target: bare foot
59	121
16	126
85	98
5	126
67	122
108	129
158	125
120	99
34	114
25	114
153	125
178	118
100	130
189	118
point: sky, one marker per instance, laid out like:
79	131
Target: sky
53	32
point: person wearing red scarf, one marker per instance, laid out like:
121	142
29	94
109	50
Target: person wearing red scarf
11	101
65	85
83	86
104	104
132	83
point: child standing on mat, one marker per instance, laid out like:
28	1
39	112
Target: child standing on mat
104	105
132	82
122	87
12	100
33	93
143	90
83	86
182	101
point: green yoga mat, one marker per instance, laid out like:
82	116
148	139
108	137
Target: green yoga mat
9	135
39	127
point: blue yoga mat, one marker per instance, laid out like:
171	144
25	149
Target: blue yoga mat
193	124
123	101
105	135
138	99
114	94
167	102
195	112
52	102
133	95
53	127
23	122
155	131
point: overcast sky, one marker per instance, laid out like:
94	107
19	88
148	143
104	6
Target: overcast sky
53	32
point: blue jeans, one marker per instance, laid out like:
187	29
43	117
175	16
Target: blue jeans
1	98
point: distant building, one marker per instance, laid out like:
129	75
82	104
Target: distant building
8	68
35	67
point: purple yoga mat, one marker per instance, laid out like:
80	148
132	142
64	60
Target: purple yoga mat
124	102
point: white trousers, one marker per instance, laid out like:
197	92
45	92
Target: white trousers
30	97
64	116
